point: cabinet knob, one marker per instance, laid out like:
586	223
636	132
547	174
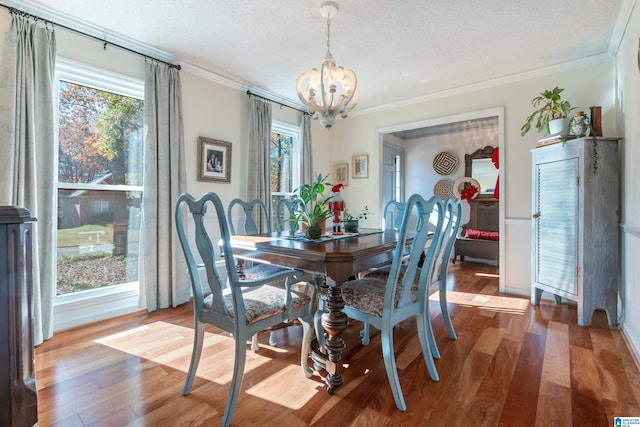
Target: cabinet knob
535	215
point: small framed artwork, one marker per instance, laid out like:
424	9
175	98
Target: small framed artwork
214	160
360	166
341	174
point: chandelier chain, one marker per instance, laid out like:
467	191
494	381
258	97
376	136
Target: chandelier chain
329	31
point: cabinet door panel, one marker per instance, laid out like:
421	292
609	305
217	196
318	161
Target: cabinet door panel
556	229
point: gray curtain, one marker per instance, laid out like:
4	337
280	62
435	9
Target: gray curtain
307	156
259	185
164	276
27	169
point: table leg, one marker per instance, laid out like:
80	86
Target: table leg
334	322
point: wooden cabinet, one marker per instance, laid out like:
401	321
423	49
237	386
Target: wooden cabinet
18	391
575	227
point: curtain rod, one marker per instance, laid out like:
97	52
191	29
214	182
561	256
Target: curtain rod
73	30
276	102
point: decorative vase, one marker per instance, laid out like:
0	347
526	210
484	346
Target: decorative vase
579	125
350	225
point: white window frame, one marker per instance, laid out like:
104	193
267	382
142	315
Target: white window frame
296	153
83	307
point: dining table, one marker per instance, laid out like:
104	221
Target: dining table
335	259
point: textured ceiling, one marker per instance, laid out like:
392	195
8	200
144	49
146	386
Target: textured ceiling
398	49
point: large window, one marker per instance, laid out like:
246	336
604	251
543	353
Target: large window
284	155
99	182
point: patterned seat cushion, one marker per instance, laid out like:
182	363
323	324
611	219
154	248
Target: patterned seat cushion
260	271
261	302
367	295
383	274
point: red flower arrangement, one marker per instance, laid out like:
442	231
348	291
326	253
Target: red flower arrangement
469	193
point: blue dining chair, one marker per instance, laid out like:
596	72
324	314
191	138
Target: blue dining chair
437	282
385	303
245	306
438	279
392	214
283	220
253	218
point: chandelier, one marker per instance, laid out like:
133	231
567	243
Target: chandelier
332	90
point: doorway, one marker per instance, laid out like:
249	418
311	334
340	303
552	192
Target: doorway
396	135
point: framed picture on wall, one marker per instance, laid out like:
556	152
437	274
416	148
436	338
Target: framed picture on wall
214	160
341	174
360	166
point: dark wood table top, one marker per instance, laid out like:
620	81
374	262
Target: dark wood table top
337	258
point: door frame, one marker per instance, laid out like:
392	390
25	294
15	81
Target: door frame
472	115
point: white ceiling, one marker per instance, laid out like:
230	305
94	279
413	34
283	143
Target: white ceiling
399	49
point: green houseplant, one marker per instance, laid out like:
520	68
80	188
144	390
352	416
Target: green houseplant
311	206
549	106
351	221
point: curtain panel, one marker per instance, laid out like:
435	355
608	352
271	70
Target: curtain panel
27	139
259	185
164	271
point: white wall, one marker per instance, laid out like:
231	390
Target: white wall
628	92
585	86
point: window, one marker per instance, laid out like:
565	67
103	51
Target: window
284	154
99	118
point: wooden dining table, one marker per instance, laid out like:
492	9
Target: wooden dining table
336	259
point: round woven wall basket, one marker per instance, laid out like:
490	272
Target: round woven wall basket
445	163
444	188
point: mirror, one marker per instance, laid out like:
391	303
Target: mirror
478	165
483	171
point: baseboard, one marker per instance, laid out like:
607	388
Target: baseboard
82	311
632	349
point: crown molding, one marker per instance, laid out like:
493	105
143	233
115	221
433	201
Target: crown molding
621	25
49	14
565	66
147	50
144	49
235	84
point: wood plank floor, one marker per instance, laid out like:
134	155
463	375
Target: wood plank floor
512	365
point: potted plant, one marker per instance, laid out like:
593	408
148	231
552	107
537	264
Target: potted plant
550	114
311	206
351	222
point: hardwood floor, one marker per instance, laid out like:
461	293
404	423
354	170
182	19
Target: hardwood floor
512	365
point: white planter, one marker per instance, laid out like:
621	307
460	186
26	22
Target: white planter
557	126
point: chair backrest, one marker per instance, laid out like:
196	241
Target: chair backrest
450	227
256	217
202	245
417	230
392	215
283	216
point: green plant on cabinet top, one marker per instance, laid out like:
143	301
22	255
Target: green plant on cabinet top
549	106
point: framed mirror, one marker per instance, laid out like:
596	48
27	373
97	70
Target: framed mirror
478	165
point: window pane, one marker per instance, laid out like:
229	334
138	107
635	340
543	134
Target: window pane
98	238
99	136
280	155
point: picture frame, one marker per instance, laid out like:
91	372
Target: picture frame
214	160
360	166
341	174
